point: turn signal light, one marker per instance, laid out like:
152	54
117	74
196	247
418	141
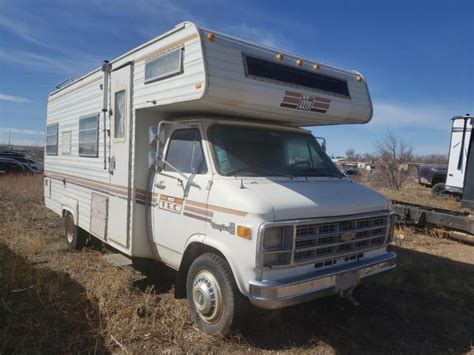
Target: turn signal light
244	232
211	37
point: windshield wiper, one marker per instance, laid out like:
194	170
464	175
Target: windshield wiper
248	167
323	174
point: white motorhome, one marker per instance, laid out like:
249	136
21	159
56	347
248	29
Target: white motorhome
237	197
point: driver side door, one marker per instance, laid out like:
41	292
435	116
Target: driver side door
181	207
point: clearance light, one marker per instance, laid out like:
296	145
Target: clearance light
317	66
211	37
280	56
359	78
197	85
244	232
299	62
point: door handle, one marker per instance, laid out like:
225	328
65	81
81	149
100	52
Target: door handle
160	185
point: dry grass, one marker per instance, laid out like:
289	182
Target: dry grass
54	300
412	192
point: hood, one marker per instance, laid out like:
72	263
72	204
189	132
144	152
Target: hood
317	198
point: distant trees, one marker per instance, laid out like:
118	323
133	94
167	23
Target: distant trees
350	153
394	154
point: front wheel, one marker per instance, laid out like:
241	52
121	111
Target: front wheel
214	300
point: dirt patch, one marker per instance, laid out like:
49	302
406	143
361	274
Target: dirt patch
80	303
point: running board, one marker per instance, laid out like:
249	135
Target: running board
117	259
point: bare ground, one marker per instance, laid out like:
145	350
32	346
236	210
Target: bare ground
53	300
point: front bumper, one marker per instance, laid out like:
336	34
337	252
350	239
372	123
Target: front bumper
287	292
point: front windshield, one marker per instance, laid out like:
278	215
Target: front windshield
250	151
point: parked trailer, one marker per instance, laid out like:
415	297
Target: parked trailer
460	174
243	203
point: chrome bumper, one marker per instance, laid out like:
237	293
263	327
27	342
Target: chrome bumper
283	293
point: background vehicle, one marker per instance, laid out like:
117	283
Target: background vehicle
12	166
460	172
432	174
243	203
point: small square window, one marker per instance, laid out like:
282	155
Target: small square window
89	136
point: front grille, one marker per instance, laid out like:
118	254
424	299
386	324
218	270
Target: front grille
327	240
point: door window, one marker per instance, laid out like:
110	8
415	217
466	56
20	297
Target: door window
119	114
185	152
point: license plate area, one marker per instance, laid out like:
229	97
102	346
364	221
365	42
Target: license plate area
347	280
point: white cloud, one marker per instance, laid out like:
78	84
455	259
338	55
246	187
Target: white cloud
432	116
18	131
252	33
11	98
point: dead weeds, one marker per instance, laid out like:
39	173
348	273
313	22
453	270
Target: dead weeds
56	300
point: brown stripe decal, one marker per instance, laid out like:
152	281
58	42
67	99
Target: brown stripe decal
201	218
302	102
141	196
218	208
165	49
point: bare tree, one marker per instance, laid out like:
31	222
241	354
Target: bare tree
394	156
350	154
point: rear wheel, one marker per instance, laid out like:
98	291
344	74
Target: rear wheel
438	189
214	300
74	237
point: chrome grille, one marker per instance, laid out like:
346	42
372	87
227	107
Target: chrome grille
326	240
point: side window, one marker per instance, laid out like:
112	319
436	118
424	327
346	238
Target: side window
119	114
164	66
185	152
52	139
89	136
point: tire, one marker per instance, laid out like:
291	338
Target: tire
74	237
438	189
214	300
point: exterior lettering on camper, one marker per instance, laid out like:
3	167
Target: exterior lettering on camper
299	101
171	204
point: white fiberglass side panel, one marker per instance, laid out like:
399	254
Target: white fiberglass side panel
460	138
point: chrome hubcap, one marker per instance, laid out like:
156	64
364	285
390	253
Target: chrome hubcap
69	229
207	297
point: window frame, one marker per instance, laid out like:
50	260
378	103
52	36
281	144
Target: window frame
346	94
179	71
168	144
55	153
125	119
97	117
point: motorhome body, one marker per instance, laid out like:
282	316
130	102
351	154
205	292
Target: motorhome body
460	177
238	198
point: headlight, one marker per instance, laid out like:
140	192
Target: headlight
392	220
278	238
277	246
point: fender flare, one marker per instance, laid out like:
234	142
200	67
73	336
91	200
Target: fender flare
210	242
72	206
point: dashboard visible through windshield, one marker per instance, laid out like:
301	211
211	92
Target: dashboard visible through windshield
254	151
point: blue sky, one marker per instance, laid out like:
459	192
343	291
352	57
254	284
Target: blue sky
417	56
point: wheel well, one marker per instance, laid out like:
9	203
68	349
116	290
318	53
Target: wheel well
437	178
193	251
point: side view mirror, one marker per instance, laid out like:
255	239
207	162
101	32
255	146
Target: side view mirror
322	142
155	157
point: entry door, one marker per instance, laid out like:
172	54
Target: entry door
181	209
461	134
119	155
